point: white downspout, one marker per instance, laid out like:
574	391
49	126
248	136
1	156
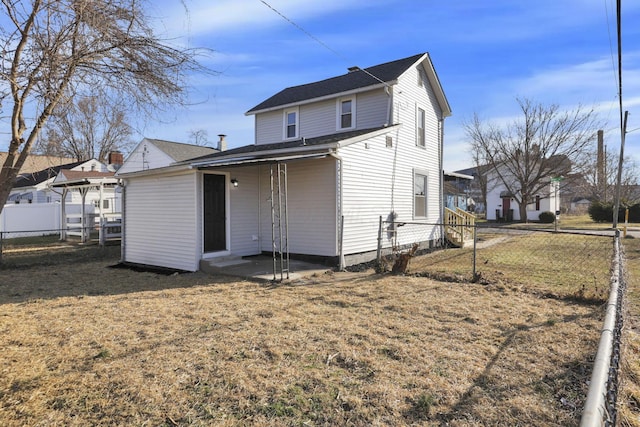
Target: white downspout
339	199
441	171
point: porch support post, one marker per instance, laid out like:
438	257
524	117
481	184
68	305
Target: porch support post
63	214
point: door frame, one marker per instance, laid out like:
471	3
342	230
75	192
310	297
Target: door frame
226	251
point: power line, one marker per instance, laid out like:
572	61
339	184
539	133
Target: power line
317	40
613	64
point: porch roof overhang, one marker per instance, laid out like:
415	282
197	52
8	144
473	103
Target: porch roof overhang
247	161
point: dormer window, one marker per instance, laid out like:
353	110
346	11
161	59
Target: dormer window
291	123
346	113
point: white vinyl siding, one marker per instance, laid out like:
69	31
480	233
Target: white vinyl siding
318	119
421	133
379	180
367	192
244	211
372	109
269	127
145	156
161	222
312	207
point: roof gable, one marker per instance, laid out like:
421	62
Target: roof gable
385	73
179	151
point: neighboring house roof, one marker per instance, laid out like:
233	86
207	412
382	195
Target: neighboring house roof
69	178
35	178
383	74
35	162
179	151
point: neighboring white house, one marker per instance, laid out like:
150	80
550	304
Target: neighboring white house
502	206
156	153
329	159
35	187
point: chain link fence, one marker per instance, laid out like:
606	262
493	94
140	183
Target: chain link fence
553	262
581	266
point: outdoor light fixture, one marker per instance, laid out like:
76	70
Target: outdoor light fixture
234	182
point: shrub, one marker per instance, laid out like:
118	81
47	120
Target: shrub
547	217
601	212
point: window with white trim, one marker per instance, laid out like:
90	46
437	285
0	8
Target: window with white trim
421	120
291	123
346	113
419	195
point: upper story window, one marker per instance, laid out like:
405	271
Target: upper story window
421	127
291	123
346	113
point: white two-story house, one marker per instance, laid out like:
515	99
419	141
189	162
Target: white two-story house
330	158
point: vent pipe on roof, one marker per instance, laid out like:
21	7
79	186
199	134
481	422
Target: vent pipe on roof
354	68
222	143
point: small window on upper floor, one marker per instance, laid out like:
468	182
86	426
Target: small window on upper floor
291	123
420	127
346	113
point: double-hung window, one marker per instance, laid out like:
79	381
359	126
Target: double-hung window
419	195
420	127
291	123
346	113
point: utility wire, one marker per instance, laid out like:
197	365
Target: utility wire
317	40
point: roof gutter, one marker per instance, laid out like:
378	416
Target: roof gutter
155	171
262	155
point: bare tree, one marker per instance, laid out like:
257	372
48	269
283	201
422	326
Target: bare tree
57	48
199	137
87	129
526	153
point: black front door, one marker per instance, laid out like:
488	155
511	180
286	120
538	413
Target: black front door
215	238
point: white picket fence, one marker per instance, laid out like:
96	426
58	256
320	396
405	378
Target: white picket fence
23	220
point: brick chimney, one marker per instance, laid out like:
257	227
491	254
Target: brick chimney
115	158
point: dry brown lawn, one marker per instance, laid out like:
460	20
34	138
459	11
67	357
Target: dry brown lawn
90	345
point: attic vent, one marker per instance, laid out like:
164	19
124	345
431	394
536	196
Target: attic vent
354	68
389	141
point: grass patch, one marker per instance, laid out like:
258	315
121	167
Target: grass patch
552	264
84	344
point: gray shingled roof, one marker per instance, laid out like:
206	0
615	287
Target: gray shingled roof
386	72
179	151
285	146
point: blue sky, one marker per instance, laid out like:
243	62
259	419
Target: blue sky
486	53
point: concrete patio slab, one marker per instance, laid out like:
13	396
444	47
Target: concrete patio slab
261	268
